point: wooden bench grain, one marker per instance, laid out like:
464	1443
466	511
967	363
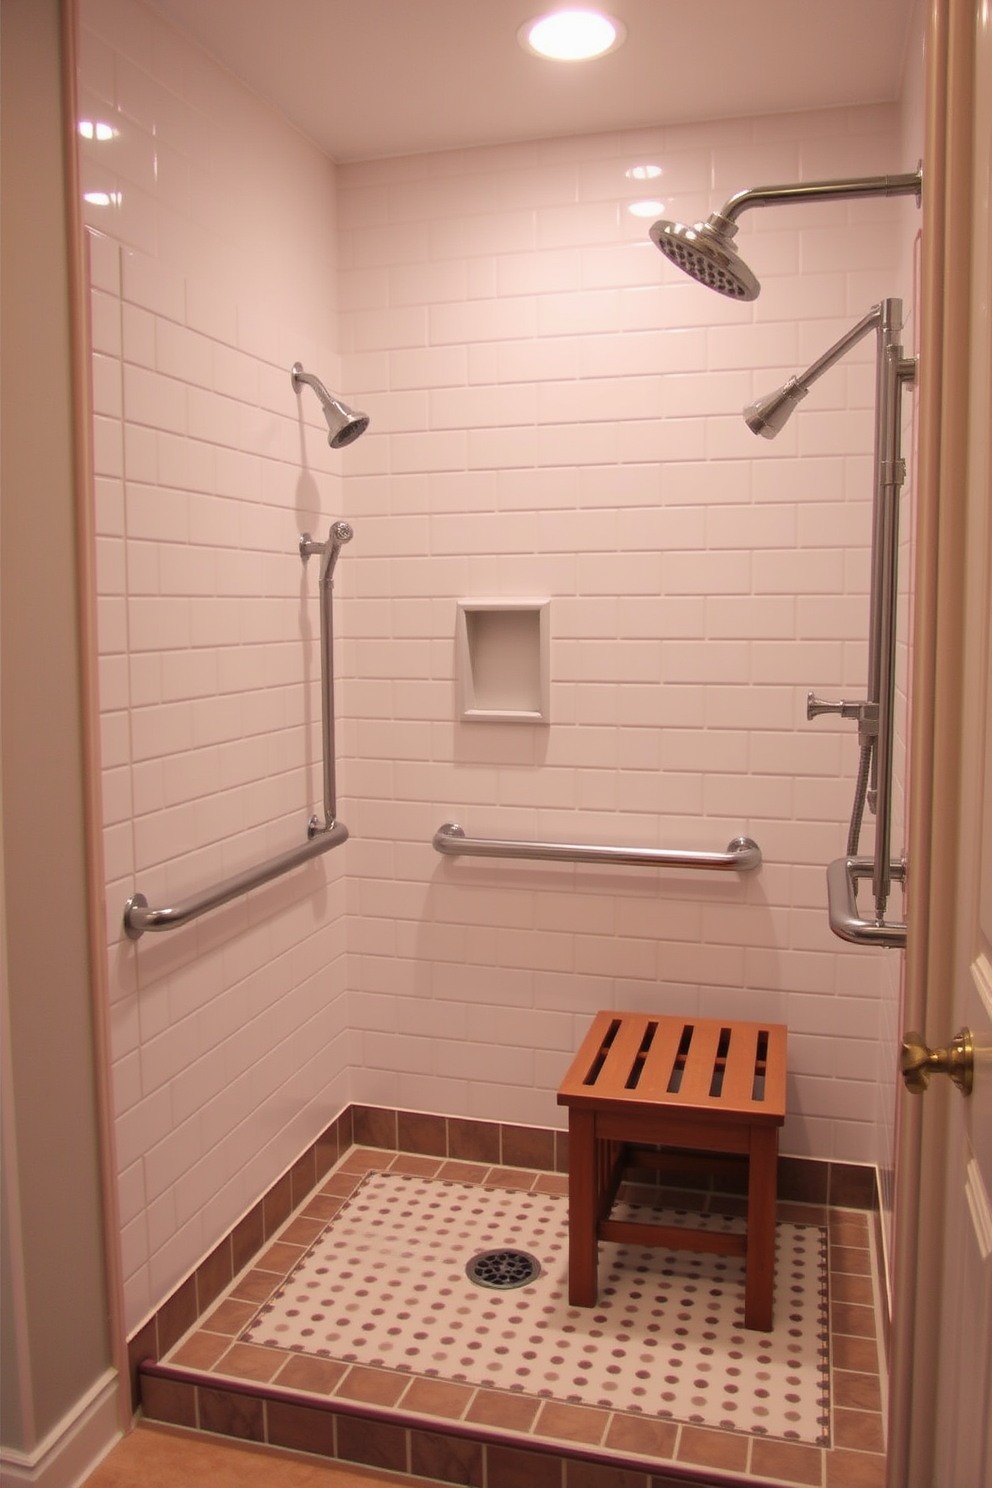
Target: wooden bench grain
640	1081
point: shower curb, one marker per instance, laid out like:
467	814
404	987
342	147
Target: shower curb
407	1443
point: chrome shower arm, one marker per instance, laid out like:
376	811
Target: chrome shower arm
838	190
768	416
869	322
298	376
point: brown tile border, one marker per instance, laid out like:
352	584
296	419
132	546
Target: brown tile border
193	1297
461	1149
515	1418
396	1441
460	1141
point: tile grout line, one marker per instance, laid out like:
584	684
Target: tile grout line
496	1174
355	1164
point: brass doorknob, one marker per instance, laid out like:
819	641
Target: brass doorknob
918	1062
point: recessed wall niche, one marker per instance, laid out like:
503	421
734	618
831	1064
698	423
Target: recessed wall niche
503	648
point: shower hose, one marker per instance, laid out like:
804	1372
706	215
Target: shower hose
860	796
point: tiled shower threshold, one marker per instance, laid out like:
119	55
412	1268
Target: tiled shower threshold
393	1420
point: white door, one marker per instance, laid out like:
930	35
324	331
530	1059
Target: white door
942	1403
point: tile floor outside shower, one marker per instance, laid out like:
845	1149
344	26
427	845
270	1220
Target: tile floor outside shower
230	1376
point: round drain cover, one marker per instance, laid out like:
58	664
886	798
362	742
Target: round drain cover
503	1269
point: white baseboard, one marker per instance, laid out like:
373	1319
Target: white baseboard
72	1449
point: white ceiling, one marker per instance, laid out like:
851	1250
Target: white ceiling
366	78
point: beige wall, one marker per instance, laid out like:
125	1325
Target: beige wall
56	1346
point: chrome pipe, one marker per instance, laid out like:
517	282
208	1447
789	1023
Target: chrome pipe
742	855
138	917
842	189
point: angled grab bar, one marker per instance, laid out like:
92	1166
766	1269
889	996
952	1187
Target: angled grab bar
138	917
321	835
742	853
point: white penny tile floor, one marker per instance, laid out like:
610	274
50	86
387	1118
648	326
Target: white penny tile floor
385	1285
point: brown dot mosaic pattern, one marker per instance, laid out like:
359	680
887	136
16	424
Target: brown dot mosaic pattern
386	1284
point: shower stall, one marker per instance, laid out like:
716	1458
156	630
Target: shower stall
553	417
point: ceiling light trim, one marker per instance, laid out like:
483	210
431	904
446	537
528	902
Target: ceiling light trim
572	35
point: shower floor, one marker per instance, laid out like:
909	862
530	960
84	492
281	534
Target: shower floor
363	1300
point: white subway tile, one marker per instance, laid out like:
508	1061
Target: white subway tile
555	411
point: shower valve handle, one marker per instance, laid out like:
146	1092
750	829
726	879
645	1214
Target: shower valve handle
861	712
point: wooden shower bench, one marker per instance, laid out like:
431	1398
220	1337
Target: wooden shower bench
641	1083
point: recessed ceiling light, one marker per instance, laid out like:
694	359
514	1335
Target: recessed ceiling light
572	35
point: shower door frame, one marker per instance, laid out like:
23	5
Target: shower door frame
938	1328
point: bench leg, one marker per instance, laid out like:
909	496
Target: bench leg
583	1202
759	1283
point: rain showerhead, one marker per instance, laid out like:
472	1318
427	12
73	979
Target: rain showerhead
706	253
344	425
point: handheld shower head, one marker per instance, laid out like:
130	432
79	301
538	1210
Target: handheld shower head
344	425
706	253
340	533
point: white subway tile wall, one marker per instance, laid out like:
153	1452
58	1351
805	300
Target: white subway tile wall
555	413
212	270
582	439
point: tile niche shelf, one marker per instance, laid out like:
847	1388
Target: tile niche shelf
503	650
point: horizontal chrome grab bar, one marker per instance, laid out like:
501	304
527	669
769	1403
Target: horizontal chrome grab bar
842	904
138	917
741	856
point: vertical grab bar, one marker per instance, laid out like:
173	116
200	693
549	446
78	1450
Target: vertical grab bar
322	836
340	533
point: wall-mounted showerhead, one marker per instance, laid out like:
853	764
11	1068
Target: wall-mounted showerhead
769	414
344	425
706	253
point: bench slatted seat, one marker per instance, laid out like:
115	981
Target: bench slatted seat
641	1081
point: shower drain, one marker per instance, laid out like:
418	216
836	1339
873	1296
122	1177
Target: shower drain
503	1269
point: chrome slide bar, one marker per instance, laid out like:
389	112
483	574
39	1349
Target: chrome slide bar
321	835
742	854
875	715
